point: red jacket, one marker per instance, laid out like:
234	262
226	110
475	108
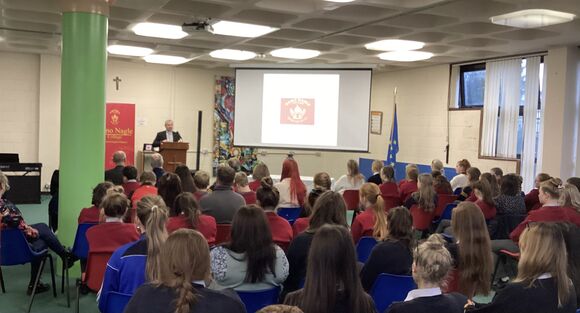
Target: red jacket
280	228
110	236
89	215
532	200
249	196
407	188
144	190
390	189
254	185
489	211
300	225
547	214
472	197
207	226
130	187
363	225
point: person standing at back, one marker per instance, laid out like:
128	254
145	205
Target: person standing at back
223	202
115	175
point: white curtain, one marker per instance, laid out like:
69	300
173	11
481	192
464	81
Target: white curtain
509	109
541	131
454	87
493	74
530	114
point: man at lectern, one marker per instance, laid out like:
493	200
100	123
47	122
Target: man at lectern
167	135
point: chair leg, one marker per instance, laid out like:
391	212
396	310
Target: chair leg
36	280
62	275
67	289
52	276
500	257
78	296
2	281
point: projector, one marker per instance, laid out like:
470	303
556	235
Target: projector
195	27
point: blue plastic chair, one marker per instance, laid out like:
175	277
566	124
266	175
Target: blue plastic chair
116	302
390	288
14	250
364	247
290	214
446	215
255	300
80	249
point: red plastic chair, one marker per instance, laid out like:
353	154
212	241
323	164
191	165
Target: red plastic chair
223	233
421	218
442	201
351	198
95	272
391	202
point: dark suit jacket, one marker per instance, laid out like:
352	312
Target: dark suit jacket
163	136
115	175
376	178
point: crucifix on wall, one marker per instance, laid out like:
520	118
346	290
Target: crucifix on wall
117	80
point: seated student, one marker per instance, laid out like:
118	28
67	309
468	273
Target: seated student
542	284
260	172
497	174
460	180
328	209
251	260
409	185
91	215
168	187
332	283
574	181
301	224
482	192
280	308
148	181
510	201
268	198
531	199
292	189
113	233
130	183
431	265
570	201
183	275
39	236
466	194
187	184
389	187
157	165
241	186
115	175
472	250
437	166
376	177
492	184
441	184
425	199
372	221
186	213
321	183
201	180
392	255
223	202
135	263
352	180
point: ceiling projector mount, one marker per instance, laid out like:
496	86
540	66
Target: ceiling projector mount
198	26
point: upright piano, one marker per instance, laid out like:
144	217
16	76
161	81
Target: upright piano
24	180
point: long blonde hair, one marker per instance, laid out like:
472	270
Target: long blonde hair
185	259
353	174
372	194
570	197
543	251
152	213
426	194
475	259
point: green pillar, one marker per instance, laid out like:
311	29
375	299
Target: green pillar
82	118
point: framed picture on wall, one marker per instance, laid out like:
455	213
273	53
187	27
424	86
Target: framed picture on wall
376	122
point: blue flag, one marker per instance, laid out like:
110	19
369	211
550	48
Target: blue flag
393	141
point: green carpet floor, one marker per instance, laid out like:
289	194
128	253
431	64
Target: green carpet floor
16	279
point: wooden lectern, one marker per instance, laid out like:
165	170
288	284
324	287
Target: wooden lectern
174	154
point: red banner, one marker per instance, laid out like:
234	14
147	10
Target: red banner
120	132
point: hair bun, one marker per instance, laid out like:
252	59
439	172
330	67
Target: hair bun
266	183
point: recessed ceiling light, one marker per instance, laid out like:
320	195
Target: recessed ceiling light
228	28
231	54
395	45
295	53
405	56
532	18
159	30
165	59
129	50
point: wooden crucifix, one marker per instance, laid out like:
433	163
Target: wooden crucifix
117	80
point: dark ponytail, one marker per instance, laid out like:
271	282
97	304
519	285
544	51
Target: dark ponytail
267	194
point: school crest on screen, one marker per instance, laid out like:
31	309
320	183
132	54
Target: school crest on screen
297	111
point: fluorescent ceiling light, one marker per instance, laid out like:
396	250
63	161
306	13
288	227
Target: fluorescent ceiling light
228	28
405	56
165	59
129	50
230	54
295	53
159	30
395	45
532	18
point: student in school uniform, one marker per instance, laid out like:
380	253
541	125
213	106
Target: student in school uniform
260	171
460	180
241	186
372	221
441	184
186	213
389	187
531	199
466	194
431	266
91	214
201	181
482	192
130	183
376	177
542	284
267	198
409	185
301	224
